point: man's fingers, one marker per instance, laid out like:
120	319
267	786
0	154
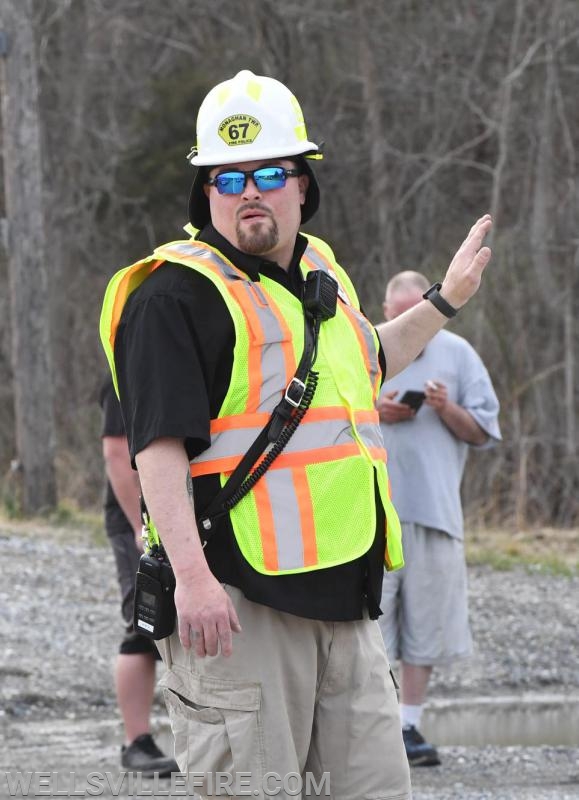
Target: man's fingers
478	264
481	233
210	629
206	644
476	234
483	223
233	618
482	258
185	634
225	639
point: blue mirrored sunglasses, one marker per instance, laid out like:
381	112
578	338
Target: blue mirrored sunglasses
265	178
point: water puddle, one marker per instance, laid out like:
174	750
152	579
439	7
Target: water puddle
525	720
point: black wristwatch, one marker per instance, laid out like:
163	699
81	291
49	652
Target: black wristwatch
433	294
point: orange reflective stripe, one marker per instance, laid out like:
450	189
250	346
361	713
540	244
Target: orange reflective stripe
355	323
285	460
371	415
125	287
387	559
238	291
377	453
223	465
306	512
326	413
340	412
266	526
239	421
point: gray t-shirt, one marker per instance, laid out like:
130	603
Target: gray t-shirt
425	460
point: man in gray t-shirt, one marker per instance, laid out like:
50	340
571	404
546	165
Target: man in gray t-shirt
425	620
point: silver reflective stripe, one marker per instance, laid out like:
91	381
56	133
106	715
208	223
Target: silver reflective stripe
286	523
363	324
259	292
370	434
190	250
322	433
272	359
273	372
235	442
227	444
368	334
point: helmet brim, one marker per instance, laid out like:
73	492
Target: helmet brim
200	215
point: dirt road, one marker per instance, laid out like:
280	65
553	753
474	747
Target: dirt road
60	626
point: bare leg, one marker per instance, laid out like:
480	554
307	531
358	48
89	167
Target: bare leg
413	683
135	686
413	687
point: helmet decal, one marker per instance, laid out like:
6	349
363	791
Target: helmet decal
239	129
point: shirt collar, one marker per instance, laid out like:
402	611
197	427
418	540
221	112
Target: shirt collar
251	265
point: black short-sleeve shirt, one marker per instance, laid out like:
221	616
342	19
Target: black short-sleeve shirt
174	357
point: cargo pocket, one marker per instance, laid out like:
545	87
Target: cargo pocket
217	728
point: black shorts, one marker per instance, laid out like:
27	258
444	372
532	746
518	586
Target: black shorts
127	560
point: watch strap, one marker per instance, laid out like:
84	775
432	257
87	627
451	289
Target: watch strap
433	294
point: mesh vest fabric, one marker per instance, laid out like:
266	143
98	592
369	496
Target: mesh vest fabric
315	507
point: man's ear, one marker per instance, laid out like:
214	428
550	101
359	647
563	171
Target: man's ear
206	189
304	182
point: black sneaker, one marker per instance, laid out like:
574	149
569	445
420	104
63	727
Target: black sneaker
419	752
143	755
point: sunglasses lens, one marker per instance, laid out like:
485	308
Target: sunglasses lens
230	182
268	178
265	178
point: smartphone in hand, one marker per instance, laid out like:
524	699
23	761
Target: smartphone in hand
412	398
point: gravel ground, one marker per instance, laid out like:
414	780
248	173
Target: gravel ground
60	624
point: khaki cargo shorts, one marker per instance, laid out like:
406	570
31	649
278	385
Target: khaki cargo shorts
302	709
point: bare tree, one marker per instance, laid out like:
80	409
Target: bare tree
432	113
32	371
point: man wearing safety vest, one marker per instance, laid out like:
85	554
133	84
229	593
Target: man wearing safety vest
249	337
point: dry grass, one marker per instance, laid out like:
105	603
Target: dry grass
67	523
548	549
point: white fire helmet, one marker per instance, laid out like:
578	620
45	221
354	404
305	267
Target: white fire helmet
249	118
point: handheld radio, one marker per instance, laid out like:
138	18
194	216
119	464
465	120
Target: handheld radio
154	611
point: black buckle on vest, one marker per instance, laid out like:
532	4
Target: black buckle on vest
294	392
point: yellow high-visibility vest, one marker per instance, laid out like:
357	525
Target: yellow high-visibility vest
315	507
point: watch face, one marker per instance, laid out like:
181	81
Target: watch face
438	301
434	288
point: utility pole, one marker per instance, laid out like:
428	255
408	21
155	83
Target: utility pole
26	255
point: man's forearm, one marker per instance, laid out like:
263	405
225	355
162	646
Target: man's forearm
123	478
462	424
404	338
163	468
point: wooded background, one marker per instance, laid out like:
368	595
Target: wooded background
432	114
